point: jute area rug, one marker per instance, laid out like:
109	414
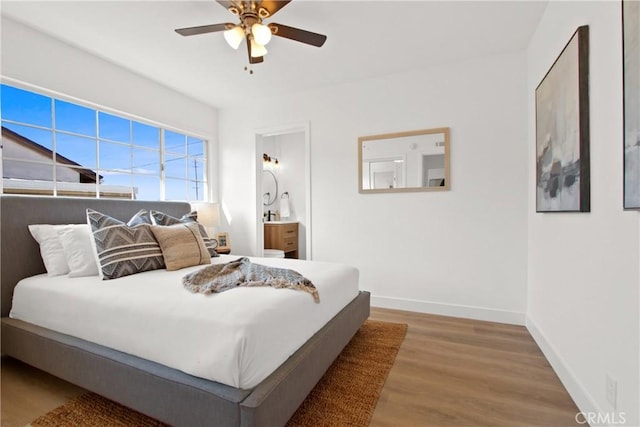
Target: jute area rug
345	396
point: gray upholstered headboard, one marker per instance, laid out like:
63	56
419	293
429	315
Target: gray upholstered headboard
19	252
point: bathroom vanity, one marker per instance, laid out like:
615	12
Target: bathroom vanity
282	235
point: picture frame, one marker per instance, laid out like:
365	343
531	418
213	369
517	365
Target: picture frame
631	103
562	130
223	241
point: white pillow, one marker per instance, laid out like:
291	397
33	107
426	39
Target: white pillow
94	249
76	243
51	251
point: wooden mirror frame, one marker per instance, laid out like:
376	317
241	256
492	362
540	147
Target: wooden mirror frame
447	156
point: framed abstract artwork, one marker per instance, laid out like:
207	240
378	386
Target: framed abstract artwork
631	55
562	130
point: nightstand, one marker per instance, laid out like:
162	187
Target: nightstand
223	251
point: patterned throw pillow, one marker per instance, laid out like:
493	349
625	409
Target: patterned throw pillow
122	249
142	217
182	245
161	218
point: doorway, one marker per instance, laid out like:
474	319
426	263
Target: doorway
288	159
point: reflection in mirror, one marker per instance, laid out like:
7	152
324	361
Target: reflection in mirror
269	188
404	161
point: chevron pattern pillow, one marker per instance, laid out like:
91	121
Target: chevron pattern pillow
161	218
122	249
142	217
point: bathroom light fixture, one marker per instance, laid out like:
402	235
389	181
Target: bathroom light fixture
269	162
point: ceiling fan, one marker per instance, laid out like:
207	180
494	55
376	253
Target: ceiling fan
252	30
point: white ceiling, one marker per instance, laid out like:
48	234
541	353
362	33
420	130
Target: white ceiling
365	39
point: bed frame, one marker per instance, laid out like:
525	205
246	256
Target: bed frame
163	393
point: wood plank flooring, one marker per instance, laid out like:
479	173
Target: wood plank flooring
449	372
460	372
27	393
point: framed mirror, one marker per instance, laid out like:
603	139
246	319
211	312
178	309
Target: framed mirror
269	188
404	161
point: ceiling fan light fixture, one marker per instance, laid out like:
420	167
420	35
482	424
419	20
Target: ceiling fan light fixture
261	33
251	29
257	50
234	36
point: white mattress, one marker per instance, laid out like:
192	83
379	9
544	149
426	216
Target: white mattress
237	337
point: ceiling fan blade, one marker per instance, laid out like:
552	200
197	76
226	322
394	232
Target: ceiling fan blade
226	4
273	5
192	31
253	60
303	36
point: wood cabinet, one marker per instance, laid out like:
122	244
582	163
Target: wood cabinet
283	237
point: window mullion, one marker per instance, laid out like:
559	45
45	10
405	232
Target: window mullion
54	138
186	172
97	155
133	194
163	193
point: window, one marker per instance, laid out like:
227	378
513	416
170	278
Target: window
55	147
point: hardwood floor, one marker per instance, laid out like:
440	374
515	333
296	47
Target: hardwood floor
27	393
460	372
449	372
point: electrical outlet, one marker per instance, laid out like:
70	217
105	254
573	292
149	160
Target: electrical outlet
612	390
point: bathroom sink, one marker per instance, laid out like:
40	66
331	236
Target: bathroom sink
280	222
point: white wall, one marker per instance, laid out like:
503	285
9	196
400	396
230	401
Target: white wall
37	59
583	267
460	252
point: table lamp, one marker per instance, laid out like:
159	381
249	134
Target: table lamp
208	215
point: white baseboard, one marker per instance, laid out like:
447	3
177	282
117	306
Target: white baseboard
464	311
578	393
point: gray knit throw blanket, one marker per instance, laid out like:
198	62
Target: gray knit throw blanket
242	272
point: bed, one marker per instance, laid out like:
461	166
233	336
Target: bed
144	382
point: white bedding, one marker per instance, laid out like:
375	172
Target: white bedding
237	337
